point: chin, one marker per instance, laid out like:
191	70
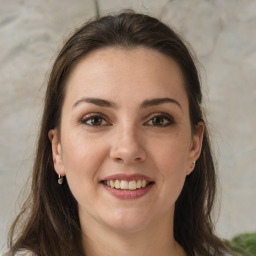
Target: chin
127	221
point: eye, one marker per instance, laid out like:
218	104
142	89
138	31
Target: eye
94	120
160	120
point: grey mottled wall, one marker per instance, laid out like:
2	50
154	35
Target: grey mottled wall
223	34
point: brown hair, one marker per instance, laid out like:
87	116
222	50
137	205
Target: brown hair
51	225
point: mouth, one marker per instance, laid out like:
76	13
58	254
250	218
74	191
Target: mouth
127	185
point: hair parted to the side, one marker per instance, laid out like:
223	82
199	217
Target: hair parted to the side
48	223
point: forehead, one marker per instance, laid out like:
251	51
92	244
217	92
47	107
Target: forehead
126	73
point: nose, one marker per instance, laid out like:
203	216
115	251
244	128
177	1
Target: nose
127	147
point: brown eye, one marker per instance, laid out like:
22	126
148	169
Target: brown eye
160	120
94	121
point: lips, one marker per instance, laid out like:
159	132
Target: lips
127	186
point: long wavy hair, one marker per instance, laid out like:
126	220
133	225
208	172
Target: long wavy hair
48	223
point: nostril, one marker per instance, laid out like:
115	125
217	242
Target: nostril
126	160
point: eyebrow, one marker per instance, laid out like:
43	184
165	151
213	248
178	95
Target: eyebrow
97	102
110	104
159	101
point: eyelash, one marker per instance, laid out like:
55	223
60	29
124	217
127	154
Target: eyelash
167	120
92	116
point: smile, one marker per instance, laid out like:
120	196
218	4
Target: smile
126	185
123	186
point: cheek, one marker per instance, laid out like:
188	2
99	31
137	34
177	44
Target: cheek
171	161
82	157
173	177
172	154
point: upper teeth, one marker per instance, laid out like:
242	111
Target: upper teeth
127	185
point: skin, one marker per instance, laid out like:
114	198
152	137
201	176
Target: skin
127	140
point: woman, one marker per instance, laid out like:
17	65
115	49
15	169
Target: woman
123	163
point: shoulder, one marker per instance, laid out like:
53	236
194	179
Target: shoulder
25	253
21	253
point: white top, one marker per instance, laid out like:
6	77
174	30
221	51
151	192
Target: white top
22	253
27	253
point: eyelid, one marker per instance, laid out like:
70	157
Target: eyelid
169	117
148	118
88	116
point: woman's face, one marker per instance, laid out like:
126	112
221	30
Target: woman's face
125	145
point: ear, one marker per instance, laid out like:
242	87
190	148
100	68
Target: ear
56	152
195	147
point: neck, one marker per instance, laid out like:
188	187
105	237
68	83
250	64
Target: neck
155	240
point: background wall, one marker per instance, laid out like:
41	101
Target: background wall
222	33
